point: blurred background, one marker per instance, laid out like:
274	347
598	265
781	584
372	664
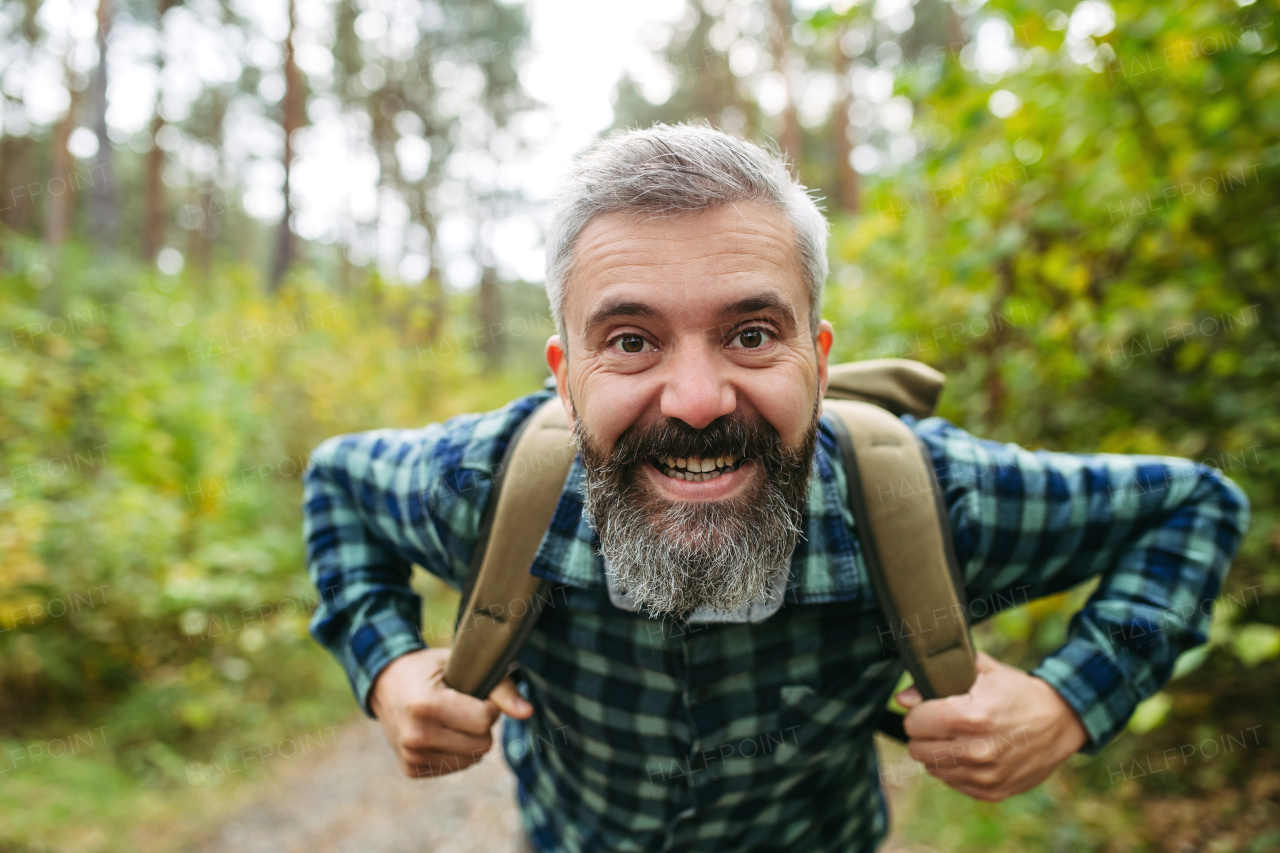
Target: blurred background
231	229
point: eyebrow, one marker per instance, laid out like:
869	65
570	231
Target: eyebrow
618	308
763	302
615	308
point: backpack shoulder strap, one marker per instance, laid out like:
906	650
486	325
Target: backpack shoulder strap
500	604
906	538
896	503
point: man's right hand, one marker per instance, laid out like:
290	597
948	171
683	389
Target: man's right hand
433	728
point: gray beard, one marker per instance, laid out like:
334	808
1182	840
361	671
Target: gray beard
674	557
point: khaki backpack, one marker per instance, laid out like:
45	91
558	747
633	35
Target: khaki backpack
897	504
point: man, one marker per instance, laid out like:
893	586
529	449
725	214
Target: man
711	671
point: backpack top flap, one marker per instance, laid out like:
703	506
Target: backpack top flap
902	386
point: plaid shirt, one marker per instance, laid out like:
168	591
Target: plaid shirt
649	735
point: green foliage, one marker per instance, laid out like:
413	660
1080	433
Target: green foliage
152	436
1098	269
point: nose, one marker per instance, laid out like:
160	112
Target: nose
697	388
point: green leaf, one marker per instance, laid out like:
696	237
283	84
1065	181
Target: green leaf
1256	643
1150	714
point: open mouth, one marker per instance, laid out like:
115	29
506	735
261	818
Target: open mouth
696	470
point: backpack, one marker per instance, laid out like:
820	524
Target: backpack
901	524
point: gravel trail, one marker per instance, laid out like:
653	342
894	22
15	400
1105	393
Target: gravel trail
353	799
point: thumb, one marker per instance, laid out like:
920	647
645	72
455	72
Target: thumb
909	698
509	700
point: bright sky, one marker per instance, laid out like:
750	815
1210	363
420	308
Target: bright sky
578	51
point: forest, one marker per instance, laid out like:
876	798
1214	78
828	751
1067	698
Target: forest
231	230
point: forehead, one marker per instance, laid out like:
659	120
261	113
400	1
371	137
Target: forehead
685	257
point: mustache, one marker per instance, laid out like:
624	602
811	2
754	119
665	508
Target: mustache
735	434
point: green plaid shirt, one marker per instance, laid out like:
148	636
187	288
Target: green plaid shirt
649	735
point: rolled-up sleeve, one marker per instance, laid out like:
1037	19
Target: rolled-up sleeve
1160	533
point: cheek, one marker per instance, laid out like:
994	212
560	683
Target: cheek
786	401
608	404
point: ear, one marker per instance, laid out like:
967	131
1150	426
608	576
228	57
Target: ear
558	361
825	336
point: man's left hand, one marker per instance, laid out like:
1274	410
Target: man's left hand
1003	737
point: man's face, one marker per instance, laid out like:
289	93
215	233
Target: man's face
693	387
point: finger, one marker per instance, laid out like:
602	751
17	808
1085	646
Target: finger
973	777
968	752
508	699
977	783
937	719
910	697
935	753
434	737
461	712
985	793
438	764
445	762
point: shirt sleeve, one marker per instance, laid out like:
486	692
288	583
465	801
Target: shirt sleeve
1160	531
376	503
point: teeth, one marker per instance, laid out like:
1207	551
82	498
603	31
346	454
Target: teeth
696	469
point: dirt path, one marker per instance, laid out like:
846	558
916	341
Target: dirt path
353	799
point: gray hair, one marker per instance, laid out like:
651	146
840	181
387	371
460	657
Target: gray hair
670	169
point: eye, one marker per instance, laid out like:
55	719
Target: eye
631	344
753	337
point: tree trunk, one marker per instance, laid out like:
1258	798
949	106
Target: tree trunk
489	315
153	218
16	206
780	48
57	220
16	189
215	216
439	297
102	181
292	113
201	239
153	221
847	189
